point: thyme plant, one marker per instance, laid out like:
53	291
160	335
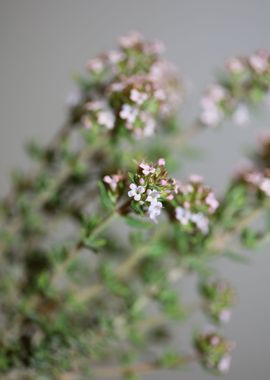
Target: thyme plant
96	239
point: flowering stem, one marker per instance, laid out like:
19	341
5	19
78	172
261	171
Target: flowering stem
123	271
51	147
221	239
41	199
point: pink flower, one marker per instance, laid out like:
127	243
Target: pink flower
147	169
115	56
258	62
235	65
95	65
225	363
112	180
161	162
212	202
129	41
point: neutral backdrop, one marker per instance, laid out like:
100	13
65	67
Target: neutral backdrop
42	43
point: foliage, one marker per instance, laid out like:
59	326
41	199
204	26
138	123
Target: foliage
94	240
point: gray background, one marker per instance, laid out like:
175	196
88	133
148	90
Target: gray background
42	43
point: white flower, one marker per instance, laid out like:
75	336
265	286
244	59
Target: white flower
147	169
225	363
106	118
225	315
265	186
183	215
152	196
154	210
241	115
138	97
201	222
136	191
128	113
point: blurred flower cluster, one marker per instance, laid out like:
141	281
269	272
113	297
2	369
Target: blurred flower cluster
95	238
215	351
245	83
258	181
219	299
195	203
128	90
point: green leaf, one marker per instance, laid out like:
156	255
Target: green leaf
94	243
106	200
137	223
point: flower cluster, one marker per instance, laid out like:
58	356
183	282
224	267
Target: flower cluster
215	351
257	180
98	114
246	82
195	203
219	299
150	187
134	88
192	204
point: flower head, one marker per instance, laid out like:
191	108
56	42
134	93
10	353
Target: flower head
137	85
136	191
219	299
113	181
150	188
215	351
244	83
196	203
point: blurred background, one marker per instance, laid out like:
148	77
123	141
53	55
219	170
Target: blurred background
42	45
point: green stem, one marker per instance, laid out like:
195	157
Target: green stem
123	271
